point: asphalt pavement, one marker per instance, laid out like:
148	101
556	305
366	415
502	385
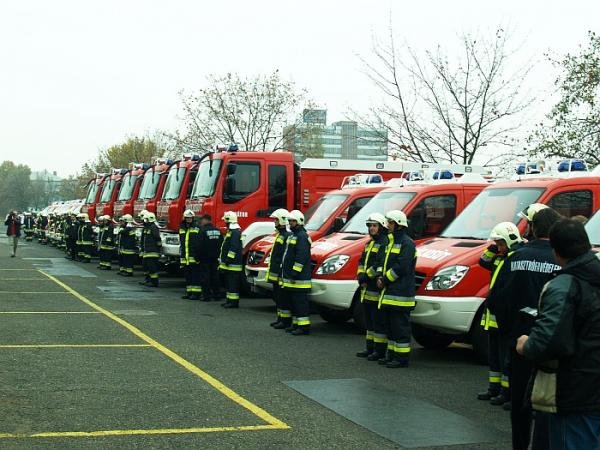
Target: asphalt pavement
89	359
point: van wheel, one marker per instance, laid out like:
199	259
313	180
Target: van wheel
334	315
431	339
479	339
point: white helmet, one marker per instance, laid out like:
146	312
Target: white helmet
143	213
377	218
297	216
107	218
531	210
397	216
506	231
150	217
188	213
230	217
127	218
281	215
83	216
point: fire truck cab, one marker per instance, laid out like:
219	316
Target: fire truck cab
451	286
108	196
130	188
94	189
430	207
153	182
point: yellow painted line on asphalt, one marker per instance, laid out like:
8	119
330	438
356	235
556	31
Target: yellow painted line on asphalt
73	345
141	431
227	392
49	312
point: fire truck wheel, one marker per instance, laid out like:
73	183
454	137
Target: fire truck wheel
479	339
431	339
334	315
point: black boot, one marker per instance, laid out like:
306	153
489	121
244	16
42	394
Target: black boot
386	359
488	395
370	348
397	362
230	305
301	331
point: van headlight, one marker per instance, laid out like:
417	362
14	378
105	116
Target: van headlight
332	264
447	278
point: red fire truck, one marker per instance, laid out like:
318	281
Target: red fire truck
94	189
451	286
151	189
130	188
110	190
429	207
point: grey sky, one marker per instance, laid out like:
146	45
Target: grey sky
77	76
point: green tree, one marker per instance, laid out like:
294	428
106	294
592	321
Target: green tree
572	127
249	111
15	187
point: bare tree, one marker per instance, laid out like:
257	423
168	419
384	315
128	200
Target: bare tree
435	108
250	112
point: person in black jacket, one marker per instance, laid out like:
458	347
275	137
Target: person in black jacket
189	253
397	298
296	279
71	238
150	246
518	286
106	243
210	240
564	342
28	225
273	274
370	267
231	260
13	231
126	245
85	238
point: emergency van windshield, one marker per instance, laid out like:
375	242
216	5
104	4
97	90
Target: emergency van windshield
173	183
91	195
206	180
149	184
107	190
318	213
593	229
127	187
381	203
488	209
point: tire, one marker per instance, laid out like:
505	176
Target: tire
334	315
431	339
479	339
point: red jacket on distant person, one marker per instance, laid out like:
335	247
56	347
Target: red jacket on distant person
13	225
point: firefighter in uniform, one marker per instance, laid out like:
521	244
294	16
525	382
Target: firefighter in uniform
370	268
150	250
518	288
296	274
126	245
188	254
273	274
106	243
231	260
85	238
397	298
71	239
506	239
210	240
42	227
28	225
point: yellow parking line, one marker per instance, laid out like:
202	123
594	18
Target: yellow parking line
49	312
227	392
73	345
134	432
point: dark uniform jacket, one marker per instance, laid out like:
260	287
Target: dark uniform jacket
29	222
85	233
106	239
188	243
231	251
127	240
565	335
399	271
274	269
518	285
295	265
73	226
150	243
210	241
370	266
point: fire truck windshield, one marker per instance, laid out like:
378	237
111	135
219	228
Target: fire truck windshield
173	183
593	229
489	208
127	187
91	194
149	184
381	203
318	213
107	190
206	180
